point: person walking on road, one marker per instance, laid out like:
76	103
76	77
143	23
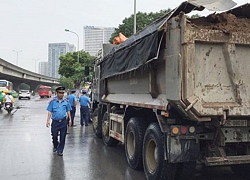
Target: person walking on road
58	110
72	102
84	108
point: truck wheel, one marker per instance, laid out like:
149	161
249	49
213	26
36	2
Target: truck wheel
95	124
154	163
109	141
134	142
242	170
185	171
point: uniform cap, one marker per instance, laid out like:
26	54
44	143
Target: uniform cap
60	89
73	90
84	90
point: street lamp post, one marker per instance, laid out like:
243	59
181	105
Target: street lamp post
77	42
17	56
134	16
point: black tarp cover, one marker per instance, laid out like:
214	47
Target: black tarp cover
139	48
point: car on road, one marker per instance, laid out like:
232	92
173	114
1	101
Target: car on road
24	94
45	91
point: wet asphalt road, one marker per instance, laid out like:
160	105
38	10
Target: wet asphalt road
26	151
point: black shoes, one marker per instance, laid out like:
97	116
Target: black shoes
86	124
55	148
60	154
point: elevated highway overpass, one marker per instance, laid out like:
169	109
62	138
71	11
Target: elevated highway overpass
18	75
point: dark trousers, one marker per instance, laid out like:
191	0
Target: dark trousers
61	127
72	114
84	112
11	105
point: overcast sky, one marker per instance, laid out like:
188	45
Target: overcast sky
29	25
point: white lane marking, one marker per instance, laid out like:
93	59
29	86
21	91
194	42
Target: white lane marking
27	137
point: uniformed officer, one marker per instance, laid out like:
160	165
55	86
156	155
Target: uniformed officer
72	102
58	110
84	108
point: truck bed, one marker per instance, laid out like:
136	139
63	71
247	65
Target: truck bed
202	69
215	66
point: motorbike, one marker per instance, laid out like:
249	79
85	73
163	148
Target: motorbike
8	107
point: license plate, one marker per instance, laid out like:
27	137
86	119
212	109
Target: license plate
236	123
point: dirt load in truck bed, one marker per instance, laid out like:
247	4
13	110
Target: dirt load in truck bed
225	22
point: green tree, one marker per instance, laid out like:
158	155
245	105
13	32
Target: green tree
142	20
24	86
194	16
70	68
68	83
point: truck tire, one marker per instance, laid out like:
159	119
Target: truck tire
154	163
134	142
109	141
241	170
185	170
96	130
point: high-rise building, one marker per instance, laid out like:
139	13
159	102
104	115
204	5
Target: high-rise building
43	68
55	51
72	48
94	37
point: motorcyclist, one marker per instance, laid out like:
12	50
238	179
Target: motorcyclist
9	98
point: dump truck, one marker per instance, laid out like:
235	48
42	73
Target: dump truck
177	93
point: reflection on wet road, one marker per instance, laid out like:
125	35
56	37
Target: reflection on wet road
26	151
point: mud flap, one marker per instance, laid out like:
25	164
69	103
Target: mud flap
182	150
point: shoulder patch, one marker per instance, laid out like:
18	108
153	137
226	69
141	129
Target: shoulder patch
66	99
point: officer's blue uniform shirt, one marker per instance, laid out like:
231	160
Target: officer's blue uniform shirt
84	100
72	99
58	109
